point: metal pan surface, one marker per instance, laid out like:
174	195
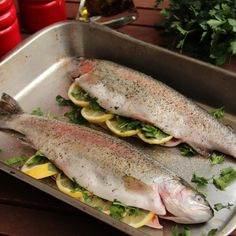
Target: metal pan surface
36	72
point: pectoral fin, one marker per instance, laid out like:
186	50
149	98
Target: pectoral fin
133	184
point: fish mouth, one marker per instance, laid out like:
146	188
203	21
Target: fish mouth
203	215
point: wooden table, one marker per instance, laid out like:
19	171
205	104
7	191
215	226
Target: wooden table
25	210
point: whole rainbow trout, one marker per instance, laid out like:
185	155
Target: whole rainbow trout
107	166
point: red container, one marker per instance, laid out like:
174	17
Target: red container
37	14
9	27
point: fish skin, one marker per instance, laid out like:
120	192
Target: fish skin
130	93
102	163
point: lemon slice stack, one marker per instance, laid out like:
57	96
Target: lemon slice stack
79	97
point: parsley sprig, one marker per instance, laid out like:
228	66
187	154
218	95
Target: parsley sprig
206	29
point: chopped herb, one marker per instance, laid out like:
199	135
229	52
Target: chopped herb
75	116
150	131
227	175
98	208
52	167
94	105
217	158
37	159
126	124
75	186
37	112
220	206
186	150
86	196
79	94
212	232
51	116
1	150
219	113
118	210
16	160
175	231
63	102
199	180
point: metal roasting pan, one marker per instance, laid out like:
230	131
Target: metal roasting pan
36	72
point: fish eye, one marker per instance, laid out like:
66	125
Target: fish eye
199	198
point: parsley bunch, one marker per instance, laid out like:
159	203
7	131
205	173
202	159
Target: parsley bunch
205	29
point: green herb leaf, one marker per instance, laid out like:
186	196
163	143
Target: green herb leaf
199	180
16	160
212	232
227	176
117	210
79	94
220	206
75	116
87	197
126	124
1	150
175	231
94	105
37	159
150	131
216	158
37	112
186	150
219	113
63	102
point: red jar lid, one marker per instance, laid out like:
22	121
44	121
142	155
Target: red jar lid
8	18
4	5
36	2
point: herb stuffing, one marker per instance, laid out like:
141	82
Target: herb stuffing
118	210
74	115
37	159
205	29
126	124
212	232
220	206
150	131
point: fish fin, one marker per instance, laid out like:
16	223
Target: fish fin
133	184
9	106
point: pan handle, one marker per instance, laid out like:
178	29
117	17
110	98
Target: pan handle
112	23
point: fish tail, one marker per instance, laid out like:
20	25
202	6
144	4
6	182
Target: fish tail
9	106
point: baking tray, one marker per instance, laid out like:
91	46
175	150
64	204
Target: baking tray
36	72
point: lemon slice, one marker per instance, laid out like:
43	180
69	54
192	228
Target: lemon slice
39	171
65	185
99	204
113	126
77	95
95	116
160	140
140	220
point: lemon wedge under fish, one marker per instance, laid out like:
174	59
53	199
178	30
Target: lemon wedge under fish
95	116
78	95
113	126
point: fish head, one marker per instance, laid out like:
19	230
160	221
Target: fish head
183	203
86	66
